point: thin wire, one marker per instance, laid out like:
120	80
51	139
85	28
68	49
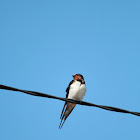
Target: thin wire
69	100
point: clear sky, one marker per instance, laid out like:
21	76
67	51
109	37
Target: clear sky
43	43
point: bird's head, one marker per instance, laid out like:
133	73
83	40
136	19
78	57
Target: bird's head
78	76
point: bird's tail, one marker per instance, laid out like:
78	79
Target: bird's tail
67	109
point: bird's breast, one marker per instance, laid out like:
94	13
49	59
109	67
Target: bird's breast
77	91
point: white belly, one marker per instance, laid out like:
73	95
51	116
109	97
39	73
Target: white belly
77	91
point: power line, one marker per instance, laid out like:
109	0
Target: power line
69	100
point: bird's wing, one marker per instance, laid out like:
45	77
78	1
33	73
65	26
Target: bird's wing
66	107
68	88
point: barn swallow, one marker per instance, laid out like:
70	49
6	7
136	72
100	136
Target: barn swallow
76	91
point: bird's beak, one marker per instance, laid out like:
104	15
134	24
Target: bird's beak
72	75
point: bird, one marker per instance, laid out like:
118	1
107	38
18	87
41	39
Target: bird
76	90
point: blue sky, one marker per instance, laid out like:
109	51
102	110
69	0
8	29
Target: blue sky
43	43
